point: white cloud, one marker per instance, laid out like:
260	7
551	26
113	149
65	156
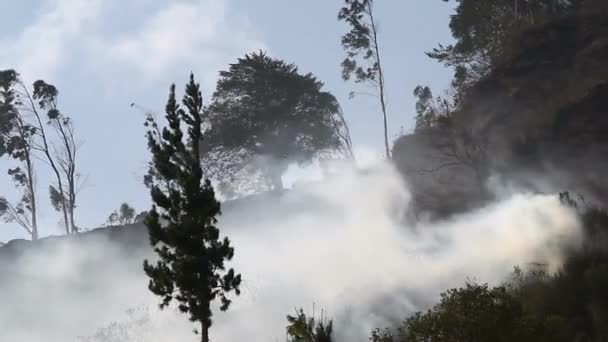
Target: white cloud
46	44
194	33
171	34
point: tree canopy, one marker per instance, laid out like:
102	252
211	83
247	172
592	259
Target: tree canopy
265	108
481	29
474	313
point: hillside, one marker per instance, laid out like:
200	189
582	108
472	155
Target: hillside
543	111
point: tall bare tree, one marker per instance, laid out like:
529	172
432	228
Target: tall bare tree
363	53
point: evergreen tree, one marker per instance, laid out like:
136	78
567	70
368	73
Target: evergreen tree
190	269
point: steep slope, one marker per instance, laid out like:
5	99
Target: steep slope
543	109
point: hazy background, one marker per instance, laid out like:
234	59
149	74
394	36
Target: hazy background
339	245
105	54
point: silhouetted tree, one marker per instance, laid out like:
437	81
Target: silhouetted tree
44	100
457	143
363	53
481	29
16	140
461	144
65	152
123	216
264	109
429	109
40	106
302	328
190	269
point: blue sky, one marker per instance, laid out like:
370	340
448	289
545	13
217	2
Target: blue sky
105	54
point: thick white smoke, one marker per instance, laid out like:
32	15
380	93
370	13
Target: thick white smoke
340	243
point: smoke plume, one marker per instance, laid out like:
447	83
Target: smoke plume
340	245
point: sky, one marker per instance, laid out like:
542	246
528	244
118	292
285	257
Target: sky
104	55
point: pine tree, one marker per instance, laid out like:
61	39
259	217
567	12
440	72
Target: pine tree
190	269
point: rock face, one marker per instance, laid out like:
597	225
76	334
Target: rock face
545	109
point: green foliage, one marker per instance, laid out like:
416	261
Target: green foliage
301	328
4	206
481	29
430	110
17	141
57	198
64	159
473	313
264	108
23	137
8	113
570	305
191	265
359	41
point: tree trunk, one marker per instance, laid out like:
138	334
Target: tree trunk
64	208
32	193
72	224
47	152
380	81
204	333
31	186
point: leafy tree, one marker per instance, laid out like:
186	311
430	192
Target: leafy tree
307	329
430	109
35	111
534	305
190	269
45	100
65	152
264	109
469	314
16	140
362	48
481	28
572	304
123	216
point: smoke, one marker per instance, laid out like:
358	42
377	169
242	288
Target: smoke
341	244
